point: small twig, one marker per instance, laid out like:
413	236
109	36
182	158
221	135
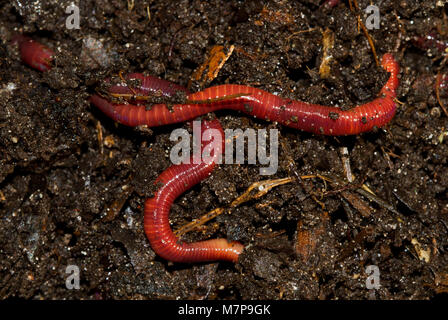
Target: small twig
377	200
327	46
365	191
260	188
346	164
350	5
99	134
299	32
120	74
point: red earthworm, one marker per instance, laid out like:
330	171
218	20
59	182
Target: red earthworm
261	104
331	3
33	53
179	178
176	180
431	41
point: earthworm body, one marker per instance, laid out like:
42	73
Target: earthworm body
260	104
33	53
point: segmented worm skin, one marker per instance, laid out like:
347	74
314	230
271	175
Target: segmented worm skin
264	105
176	180
33	53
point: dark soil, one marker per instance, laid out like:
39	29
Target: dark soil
69	196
